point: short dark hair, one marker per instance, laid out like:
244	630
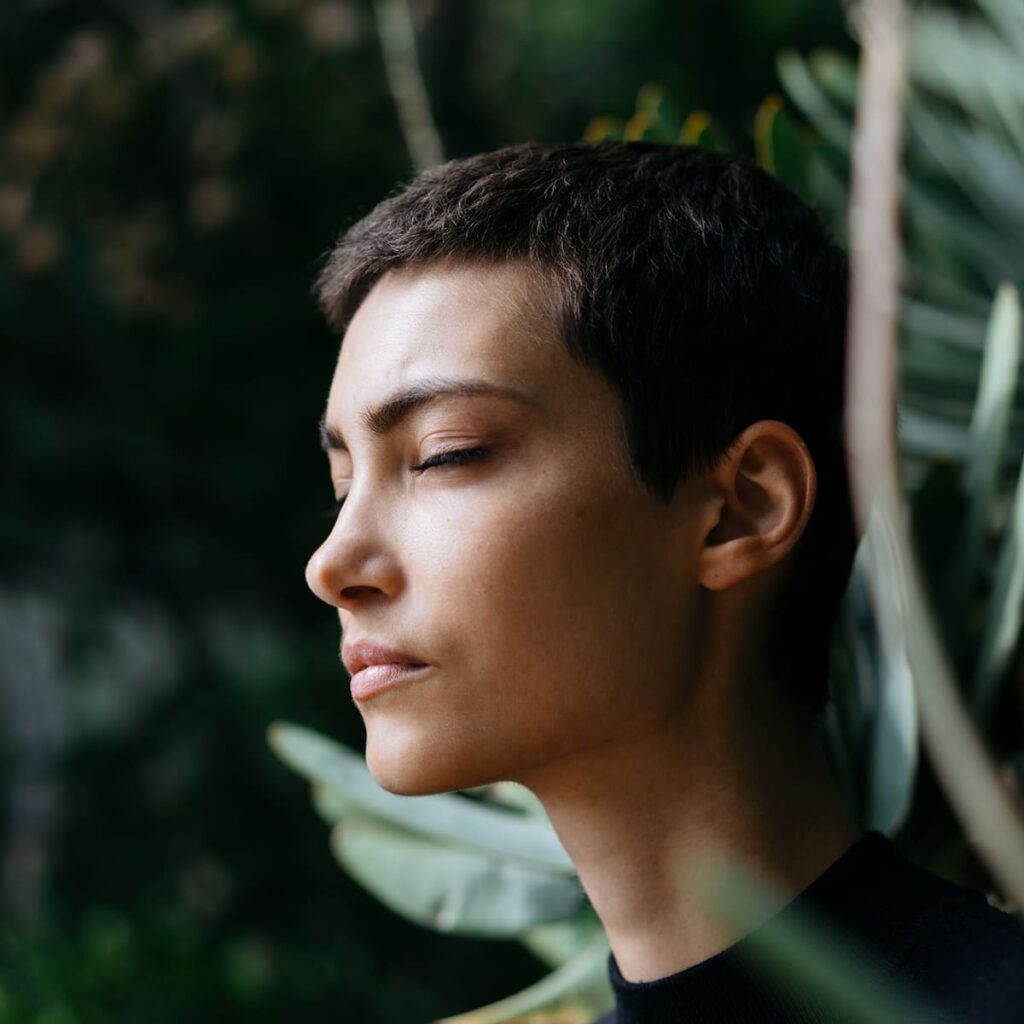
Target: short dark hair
707	292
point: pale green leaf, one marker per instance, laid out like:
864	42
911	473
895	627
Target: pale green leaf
810	97
449	888
443	816
582	981
988	436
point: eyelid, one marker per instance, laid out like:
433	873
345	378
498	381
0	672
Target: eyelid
437	460
451	456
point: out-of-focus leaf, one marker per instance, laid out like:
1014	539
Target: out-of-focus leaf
963	60
582	983
1004	615
600	128
938	508
779	149
644	126
332	805
1008	18
1003	622
449	888
444	816
809	96
837	74
854	689
514	795
560	941
987	251
892	760
895	750
988	434
701	129
986	169
967	331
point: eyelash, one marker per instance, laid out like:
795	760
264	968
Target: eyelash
451	457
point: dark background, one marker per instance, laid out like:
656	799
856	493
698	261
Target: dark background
170	174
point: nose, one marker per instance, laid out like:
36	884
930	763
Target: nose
355	563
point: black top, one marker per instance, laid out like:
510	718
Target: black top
916	931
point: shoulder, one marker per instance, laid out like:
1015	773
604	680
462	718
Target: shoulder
970	959
965	954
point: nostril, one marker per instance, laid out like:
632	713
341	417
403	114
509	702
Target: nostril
354	593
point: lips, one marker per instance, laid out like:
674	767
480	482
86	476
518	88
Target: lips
362	654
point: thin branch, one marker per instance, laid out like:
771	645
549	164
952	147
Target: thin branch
398	43
967	772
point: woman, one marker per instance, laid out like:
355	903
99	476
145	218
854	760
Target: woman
592	529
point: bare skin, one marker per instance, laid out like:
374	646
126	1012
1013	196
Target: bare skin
583	638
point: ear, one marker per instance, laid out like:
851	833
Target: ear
760	497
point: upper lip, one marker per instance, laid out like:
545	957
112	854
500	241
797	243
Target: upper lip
361	653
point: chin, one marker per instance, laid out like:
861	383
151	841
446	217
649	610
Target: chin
406	766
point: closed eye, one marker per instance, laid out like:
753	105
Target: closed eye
452	457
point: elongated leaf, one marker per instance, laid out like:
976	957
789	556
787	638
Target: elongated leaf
966	331
559	942
892	765
1003	622
809	96
837	74
780	150
973	241
922	434
444	816
1007	17
1002	626
988	435
514	795
583	981
963	59
332	805
895	748
985	168
448	888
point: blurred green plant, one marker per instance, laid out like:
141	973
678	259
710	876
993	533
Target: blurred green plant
437	860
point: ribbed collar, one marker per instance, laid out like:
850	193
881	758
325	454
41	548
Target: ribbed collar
856	892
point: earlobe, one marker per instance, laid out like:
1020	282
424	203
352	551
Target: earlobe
764	488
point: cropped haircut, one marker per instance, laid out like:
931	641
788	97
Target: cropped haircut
707	293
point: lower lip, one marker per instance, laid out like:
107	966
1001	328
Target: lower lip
375	679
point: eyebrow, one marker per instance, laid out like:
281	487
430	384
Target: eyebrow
381	419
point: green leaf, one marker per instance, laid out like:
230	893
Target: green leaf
980	245
443	816
448	888
987	170
964	60
1008	18
560	941
780	149
1003	621
892	757
808	95
963	330
582	981
837	74
988	434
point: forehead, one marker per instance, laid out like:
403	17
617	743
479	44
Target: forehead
492	321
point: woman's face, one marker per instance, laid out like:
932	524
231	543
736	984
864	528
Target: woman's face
545	590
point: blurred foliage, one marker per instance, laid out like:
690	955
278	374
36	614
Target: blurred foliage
170	172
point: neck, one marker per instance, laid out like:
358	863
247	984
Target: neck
747	779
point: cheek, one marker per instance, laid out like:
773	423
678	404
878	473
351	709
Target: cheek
557	600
